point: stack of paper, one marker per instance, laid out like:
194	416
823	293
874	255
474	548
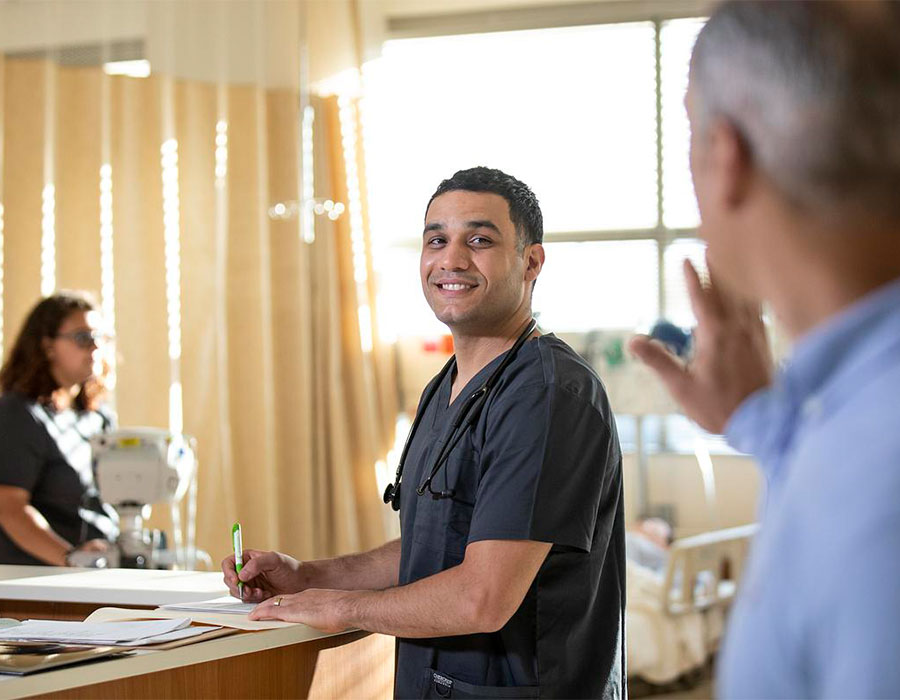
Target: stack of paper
102	634
225	604
229	620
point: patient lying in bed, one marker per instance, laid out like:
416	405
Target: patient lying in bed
647	544
662	646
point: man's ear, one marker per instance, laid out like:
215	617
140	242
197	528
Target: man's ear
534	261
729	162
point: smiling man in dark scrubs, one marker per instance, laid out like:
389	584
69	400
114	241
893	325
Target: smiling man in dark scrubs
509	576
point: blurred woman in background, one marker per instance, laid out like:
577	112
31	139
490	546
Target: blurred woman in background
52	387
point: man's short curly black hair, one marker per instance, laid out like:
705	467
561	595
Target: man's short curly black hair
524	210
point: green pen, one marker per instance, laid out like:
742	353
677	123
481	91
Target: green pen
238	554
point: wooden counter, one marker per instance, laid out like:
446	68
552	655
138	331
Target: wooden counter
290	662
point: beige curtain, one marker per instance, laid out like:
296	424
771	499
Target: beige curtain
291	398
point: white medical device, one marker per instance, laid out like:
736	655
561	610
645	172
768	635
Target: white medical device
138	467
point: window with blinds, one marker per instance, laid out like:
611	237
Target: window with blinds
592	118
597	284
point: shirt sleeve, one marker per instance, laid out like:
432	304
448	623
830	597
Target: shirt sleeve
20	458
748	423
548	460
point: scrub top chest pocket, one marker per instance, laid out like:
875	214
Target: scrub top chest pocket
442	524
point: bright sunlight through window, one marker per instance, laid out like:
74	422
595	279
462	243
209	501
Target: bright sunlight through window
573	113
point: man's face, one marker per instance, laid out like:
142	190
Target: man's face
473	274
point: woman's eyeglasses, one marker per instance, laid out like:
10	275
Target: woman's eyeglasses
86	339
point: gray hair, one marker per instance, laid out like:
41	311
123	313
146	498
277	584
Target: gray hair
814	90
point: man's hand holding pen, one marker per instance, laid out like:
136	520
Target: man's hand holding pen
264	575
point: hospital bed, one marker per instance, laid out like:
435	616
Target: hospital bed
675	621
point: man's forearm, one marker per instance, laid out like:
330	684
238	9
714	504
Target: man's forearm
442	605
29	530
477	596
373	570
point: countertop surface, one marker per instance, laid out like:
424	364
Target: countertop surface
115	587
130	587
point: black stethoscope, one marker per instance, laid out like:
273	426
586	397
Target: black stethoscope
464	420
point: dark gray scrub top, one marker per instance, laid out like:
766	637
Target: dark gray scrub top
542	463
47	453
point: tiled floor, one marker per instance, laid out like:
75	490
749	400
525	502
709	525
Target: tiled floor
700	687
703	691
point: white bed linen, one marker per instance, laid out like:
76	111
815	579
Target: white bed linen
661	647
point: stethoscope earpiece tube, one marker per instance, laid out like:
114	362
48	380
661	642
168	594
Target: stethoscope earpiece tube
392	492
466	417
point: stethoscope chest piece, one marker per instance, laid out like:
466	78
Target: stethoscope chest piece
392	495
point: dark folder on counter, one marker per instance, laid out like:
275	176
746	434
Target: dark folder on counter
22	658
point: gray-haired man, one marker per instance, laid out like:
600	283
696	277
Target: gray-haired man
795	153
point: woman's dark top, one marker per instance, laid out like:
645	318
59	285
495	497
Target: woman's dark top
48	453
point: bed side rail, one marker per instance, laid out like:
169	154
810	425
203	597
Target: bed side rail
704	570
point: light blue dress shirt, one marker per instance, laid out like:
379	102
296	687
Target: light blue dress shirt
818	613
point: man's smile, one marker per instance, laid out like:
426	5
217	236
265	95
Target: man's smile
454	286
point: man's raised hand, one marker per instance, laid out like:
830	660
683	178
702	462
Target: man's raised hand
731	357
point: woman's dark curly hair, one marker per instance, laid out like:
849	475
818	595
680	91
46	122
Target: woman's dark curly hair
27	369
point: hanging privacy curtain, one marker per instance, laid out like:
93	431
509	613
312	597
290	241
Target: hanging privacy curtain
279	369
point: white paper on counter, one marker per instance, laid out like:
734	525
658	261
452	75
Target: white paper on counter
69	632
239	622
226	604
